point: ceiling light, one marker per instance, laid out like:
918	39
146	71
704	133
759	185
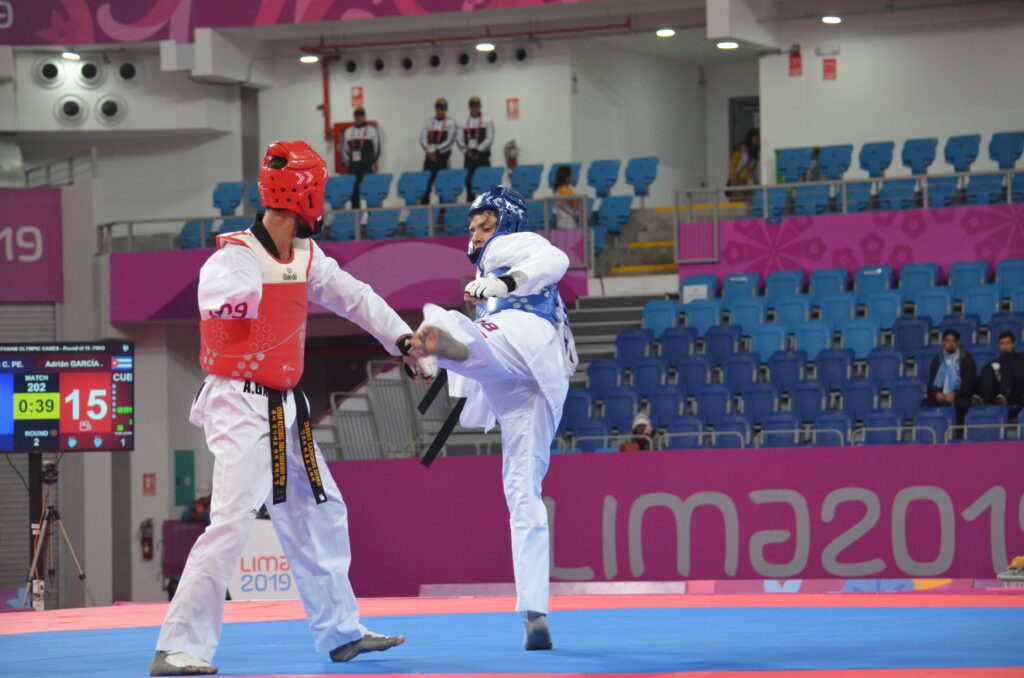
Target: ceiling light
71	56
665	32
831	20
309	58
728	44
484	47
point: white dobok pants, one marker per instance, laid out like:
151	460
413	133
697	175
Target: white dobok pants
314	536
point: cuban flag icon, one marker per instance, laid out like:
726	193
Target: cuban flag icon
121	362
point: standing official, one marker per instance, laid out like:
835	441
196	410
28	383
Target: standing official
360	148
475	140
437	137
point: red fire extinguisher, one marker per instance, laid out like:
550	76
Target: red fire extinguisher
146	532
511	154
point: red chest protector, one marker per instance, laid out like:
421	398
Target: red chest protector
268	349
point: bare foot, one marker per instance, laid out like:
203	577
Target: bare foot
435	341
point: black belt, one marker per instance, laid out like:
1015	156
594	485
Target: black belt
446	428
278	444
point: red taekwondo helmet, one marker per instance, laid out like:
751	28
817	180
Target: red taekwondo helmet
293	177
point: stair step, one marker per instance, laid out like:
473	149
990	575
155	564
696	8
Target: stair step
651	243
635	301
644	268
604	329
608	315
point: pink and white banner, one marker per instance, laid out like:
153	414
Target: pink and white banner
30	245
906	511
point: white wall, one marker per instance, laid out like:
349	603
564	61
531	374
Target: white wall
893	84
630	104
722	83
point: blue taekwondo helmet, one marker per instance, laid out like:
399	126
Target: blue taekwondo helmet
509	205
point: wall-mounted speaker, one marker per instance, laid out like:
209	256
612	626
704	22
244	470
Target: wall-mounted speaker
435	61
128	73
492	57
350	66
464	59
408	63
70	109
379	65
48	72
89	74
521	54
111	109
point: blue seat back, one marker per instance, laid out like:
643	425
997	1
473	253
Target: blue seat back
810	200
692	284
739	370
383	224
813	338
938	419
965	275
740	286
677	343
884	308
747	313
881	427
648	374
826	282
254	197
859	396
896	194
1010	275
942	191
619	408
721	341
993	417
858	196
456	219
832	428
449	184
910	332
777	198
732	431
666	403
919	154
486	178
834	367
808	399
871	279
982	301
227	196
535	215
684	432
783	284
935	303
760	401
233	225
342	227
1006	322
985	189
786	368
525	179
833	161
966	324
703	313
961	151
603	376
194	233
660	314
614	211
374	188
417	222
602	175
907	394
875	157
712	402
780	430
590	428
861	335
694	372
641	173
412	186
793	163
917	277
885	365
767	338
577	408
632	344
1005	147
553	170
837	309
790	313
338	190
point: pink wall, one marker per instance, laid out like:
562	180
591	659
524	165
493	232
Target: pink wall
30	245
876	511
407	273
945	236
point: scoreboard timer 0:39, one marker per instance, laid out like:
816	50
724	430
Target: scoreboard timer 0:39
67	396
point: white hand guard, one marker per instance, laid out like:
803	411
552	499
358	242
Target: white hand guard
487	287
423	366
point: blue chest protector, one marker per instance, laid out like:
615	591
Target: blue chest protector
546	303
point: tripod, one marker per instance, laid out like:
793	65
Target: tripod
46	537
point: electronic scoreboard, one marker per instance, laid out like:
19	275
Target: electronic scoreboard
67	396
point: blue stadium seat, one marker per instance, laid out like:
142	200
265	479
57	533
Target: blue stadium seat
884	308
576	409
837	309
599	233
553	170
1006	322
942	191
931	424
859	397
793	163
731	431
739	370
783	284
881	427
767	338
619	408
417	222
595	430
906	395
666	403
781	429
790	313
525	179
896	194
1017	299
961	151
660	314
196	234
777	198
338	190
808	399
703	313
1009	275
721	341
485	178
456	219
813	338
826	282
875	157
965	275
935	303
922	358
916	277
982	301
811	200
254	197
760	400
382	224
871	279
858	196
227	196
602	175
374	188
412	186
684	432
694	373
786	368
747	313
833	161
910	332
632	344
233	225
699	286
983	354
989	419
737	286
985	189
603	376
832	429
640	174
834	367
677	343
919	154
1005	148
342	227
885	365
449	184
649	374
713	402
861	335
614	211
535	215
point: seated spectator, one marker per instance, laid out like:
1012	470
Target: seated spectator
643	434
952	377
565	210
199	509
1003	378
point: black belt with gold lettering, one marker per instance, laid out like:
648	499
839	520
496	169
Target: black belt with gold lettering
278	444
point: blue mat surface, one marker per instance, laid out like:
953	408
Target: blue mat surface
586	641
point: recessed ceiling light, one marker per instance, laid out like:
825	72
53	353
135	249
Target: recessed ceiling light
831	20
309	58
665	32
484	47
71	56
728	44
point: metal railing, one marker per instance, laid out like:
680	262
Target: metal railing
63	172
965	430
